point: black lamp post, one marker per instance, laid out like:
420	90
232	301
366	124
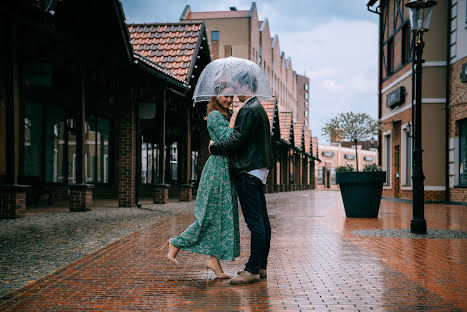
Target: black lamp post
420	15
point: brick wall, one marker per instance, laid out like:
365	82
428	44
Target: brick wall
457	111
12	202
127	156
80	198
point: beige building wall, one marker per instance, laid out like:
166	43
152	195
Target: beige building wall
241	34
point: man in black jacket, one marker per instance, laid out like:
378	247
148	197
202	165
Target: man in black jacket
250	153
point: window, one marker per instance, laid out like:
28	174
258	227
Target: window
194	166
333	176
349	156
215	35
320	175
387	149
306	96
463	152
306	87
406	153
327	154
96	149
405	43
389	56
150	160
174	161
368	158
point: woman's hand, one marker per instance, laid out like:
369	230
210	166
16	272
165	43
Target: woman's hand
236	108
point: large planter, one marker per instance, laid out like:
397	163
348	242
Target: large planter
361	192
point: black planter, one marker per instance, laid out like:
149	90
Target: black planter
361	192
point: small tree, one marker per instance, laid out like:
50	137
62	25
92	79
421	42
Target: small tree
352	127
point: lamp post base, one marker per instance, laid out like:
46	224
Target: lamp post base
418	226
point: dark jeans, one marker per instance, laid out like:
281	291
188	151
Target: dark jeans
250	191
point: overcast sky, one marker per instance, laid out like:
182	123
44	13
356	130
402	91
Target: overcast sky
335	42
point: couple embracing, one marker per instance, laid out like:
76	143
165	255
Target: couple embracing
241	157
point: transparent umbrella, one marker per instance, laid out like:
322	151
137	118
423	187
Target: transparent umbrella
231	76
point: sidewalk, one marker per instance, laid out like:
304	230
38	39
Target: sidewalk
319	260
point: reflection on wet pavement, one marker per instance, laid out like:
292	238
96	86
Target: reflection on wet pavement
317	262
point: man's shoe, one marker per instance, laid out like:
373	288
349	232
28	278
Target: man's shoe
262	273
245	277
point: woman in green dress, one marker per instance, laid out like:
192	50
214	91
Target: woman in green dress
216	230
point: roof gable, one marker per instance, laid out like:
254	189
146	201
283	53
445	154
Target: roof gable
172	46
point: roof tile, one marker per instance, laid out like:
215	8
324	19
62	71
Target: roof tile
168	45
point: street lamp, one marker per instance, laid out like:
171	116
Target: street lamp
420	14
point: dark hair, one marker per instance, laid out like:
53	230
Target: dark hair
247	78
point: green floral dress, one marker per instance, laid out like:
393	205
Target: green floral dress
216	230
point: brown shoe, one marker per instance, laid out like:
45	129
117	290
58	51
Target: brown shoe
262	273
245	277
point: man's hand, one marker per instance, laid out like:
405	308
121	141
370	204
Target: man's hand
209	147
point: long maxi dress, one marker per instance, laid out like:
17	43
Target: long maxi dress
216	230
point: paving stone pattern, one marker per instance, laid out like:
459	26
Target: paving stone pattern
317	263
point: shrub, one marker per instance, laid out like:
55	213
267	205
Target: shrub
346	168
372	168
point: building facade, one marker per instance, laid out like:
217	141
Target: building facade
241	34
457	99
396	98
303	100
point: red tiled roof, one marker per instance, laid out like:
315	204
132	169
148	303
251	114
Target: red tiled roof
171	46
298	133
217	14
307	141
285	121
269	108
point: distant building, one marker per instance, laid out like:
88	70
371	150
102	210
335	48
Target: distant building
335	155
239	33
303	100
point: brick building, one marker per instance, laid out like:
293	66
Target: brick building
396	96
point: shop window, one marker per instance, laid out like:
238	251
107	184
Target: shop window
215	35
173	161
320	175
2	137
406	140
194	166
463	152
333	176
33	133
54	144
96	149
150	160
387	149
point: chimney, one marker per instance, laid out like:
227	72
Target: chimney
233	9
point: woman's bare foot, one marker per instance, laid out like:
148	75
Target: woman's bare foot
173	251
215	266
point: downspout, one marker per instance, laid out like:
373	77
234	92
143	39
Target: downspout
448	74
138	148
380	73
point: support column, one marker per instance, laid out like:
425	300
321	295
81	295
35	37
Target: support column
185	192
160	193
127	152
81	197
13	201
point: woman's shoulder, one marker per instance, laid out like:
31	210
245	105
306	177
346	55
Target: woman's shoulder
215	115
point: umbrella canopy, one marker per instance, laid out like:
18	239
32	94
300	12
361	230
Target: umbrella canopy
231	76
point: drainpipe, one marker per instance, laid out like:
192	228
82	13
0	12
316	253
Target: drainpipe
448	73
138	148
380	73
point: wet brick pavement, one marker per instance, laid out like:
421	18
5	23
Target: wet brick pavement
317	262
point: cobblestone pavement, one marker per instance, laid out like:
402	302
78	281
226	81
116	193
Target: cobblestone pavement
319	260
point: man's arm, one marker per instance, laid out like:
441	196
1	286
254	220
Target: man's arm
242	131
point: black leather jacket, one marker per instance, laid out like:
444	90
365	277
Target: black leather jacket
249	146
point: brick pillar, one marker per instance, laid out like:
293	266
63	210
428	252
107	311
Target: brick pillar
13	201
185	192
160	193
81	197
127	156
